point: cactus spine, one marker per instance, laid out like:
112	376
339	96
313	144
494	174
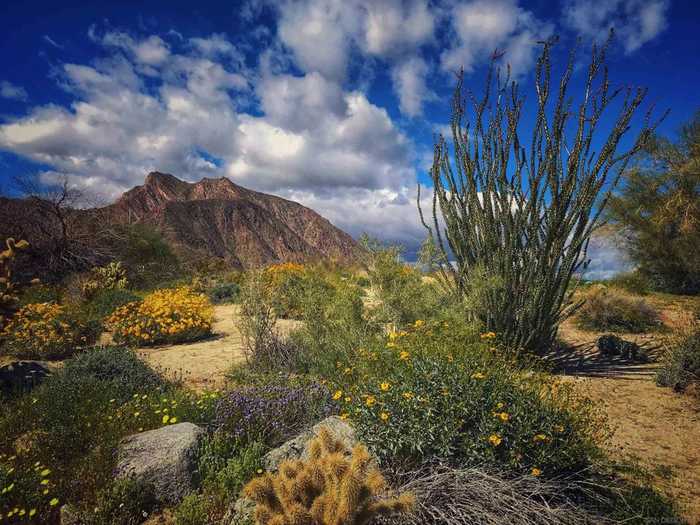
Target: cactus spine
330	488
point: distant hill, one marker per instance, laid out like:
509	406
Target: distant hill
214	217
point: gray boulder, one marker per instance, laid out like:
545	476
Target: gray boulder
241	512
296	448
22	376
164	458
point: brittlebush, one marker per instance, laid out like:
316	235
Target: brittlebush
45	331
164	316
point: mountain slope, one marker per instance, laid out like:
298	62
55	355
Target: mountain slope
222	219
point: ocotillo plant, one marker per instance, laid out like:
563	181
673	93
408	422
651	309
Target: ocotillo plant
330	488
521	214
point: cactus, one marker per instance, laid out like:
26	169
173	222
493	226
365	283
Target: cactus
330	488
8	287
110	277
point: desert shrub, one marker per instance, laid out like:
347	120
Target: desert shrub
224	293
681	363
271	413
123	502
147	256
119	366
224	467
104	302
164	316
286	281
402	294
333	327
40	293
633	282
258	320
46	331
332	486
192	510
72	423
438	391
608	309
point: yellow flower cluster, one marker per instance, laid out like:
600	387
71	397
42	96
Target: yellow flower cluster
279	272
17	511
43	330
171	315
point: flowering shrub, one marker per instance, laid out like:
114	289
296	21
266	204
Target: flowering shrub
286	281
72	423
271	413
46	331
429	392
164	316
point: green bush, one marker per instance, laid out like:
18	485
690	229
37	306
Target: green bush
633	282
334	326
403	295
40	293
124	502
71	424
224	293
105	302
437	391
119	367
681	363
609	309
192	510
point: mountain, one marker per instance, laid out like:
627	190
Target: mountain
212	217
217	217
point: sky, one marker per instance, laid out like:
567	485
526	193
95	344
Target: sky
332	103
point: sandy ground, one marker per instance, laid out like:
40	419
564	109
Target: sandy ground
654	426
203	365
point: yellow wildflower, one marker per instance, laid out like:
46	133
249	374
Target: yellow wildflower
371	400
404	355
384	416
338	394
385	386
495	439
536	472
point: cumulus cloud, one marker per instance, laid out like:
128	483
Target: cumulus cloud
636	22
482	26
12	92
308	137
410	84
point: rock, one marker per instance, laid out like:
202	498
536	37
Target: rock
609	345
296	448
164	458
241	512
22	376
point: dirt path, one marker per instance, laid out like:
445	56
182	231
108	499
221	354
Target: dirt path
654	426
204	364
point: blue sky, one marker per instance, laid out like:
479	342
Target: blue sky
333	103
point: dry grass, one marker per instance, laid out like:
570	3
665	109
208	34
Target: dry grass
473	496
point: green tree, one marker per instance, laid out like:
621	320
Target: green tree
658	208
523	212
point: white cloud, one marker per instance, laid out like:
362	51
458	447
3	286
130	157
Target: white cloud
636	22
394	26
410	84
322	35
12	92
483	26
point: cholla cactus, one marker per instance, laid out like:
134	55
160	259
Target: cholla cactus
110	277
8	288
330	488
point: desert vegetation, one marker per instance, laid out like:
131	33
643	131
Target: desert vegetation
438	382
